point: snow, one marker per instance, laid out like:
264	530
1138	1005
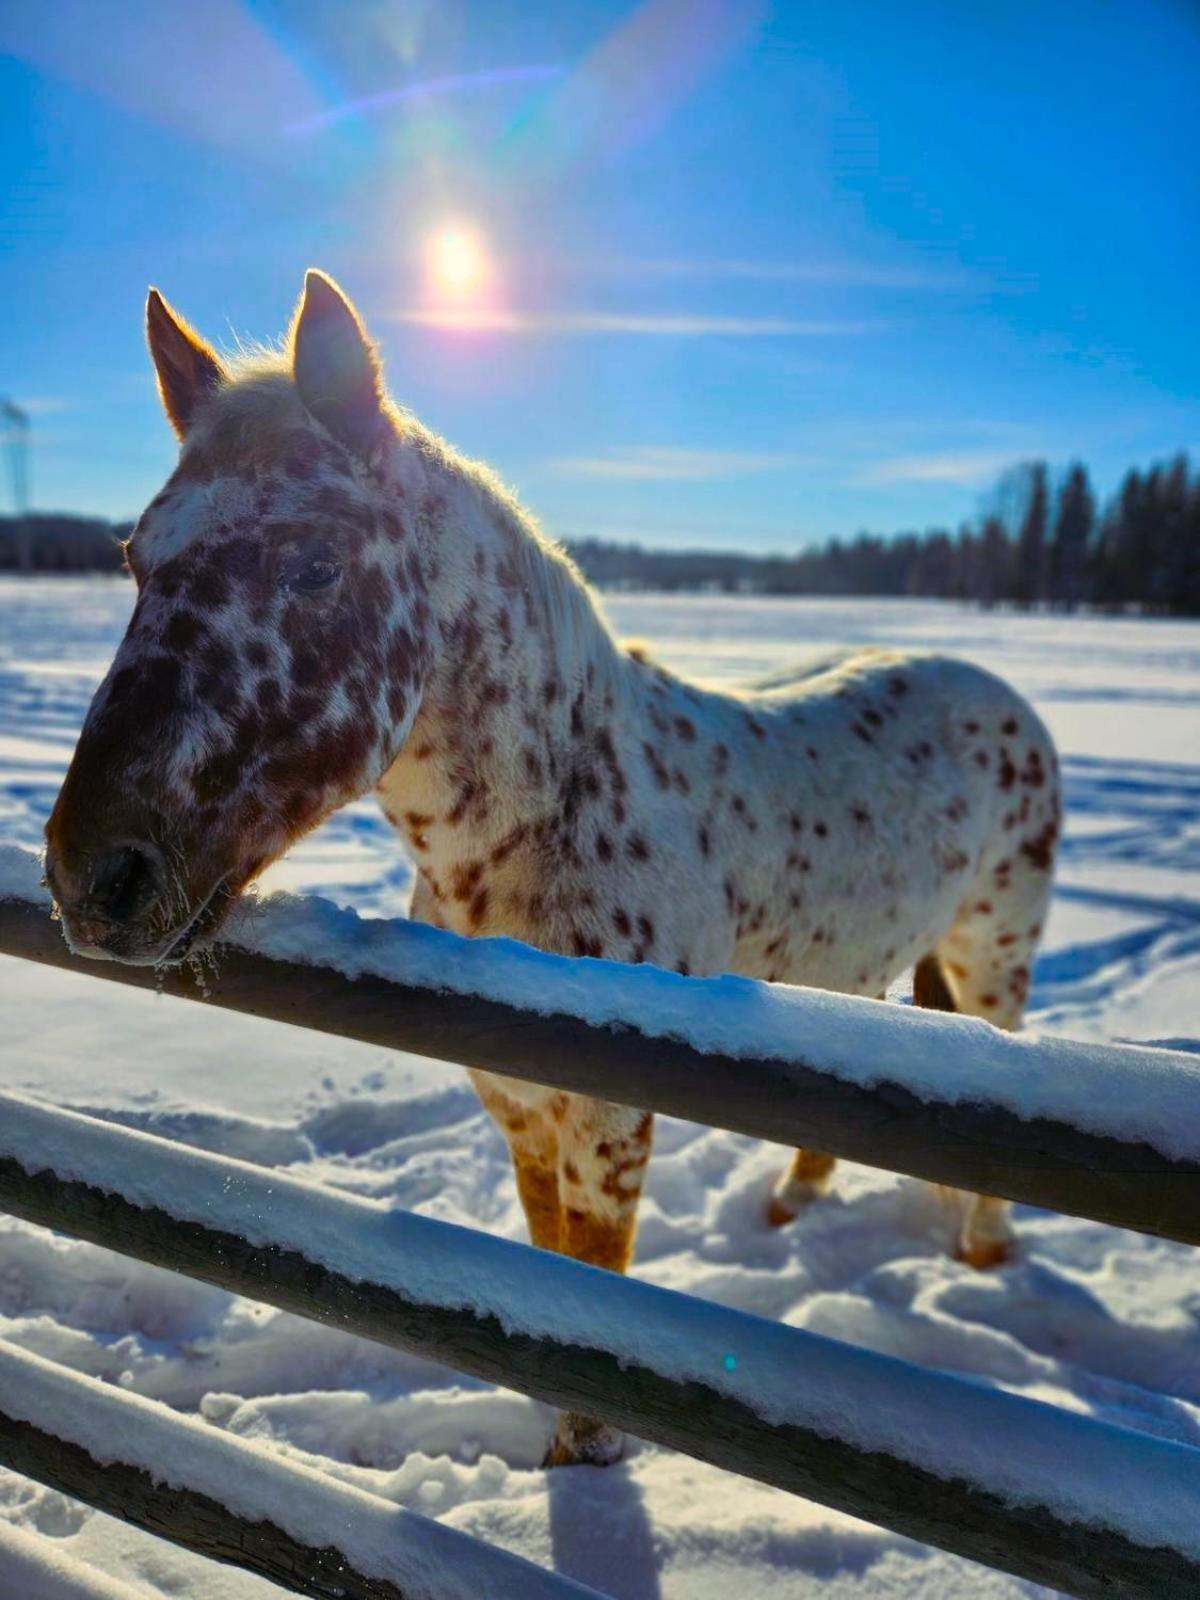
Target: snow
1026	1453
1092	1319
421	1557
20	876
38	1572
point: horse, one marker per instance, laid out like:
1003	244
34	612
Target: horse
331	601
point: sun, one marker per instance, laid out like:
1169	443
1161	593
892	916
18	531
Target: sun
457	262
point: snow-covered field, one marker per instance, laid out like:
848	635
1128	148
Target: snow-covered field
1090	1318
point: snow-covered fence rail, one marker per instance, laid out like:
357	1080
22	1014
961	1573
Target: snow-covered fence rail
1051	1495
1106	1132
233	1501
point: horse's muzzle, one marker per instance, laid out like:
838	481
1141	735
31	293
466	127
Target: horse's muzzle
111	899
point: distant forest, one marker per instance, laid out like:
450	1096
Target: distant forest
1037	542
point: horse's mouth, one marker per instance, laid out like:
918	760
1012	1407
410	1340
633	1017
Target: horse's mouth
204	922
100	939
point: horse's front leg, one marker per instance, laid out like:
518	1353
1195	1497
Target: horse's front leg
602	1154
532	1135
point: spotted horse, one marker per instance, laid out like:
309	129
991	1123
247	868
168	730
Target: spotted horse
330	600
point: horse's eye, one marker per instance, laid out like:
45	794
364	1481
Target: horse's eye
309	574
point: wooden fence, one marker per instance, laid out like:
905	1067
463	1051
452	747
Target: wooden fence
804	1413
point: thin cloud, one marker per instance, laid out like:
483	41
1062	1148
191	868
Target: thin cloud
655	324
956	466
851	274
664	463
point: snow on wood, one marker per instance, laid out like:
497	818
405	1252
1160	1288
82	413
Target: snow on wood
1046	1493
1108	1132
1118	1090
231	1499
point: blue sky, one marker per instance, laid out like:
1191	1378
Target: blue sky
694	272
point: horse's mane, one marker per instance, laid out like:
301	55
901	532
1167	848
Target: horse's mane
260	403
560	591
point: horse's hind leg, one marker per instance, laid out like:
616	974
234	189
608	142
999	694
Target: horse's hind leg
804	1179
981	968
985	1236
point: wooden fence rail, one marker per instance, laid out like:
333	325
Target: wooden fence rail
180	1479
946	1461
980	1145
832	1423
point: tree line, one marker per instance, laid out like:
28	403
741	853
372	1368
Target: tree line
59	541
1039	540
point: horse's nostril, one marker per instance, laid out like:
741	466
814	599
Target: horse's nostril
124	882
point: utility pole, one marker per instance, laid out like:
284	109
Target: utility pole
16	432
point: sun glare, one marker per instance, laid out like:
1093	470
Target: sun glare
457	262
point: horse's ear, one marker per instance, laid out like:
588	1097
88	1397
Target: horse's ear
187	367
335	365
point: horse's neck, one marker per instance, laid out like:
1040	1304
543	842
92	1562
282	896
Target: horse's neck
524	675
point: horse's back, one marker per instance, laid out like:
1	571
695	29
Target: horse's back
867	669
903	776
887	706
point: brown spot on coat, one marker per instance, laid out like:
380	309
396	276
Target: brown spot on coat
1039	851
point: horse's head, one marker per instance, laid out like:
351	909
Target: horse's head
273	662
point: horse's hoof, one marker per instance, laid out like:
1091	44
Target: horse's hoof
782	1209
986	1253
599	1448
